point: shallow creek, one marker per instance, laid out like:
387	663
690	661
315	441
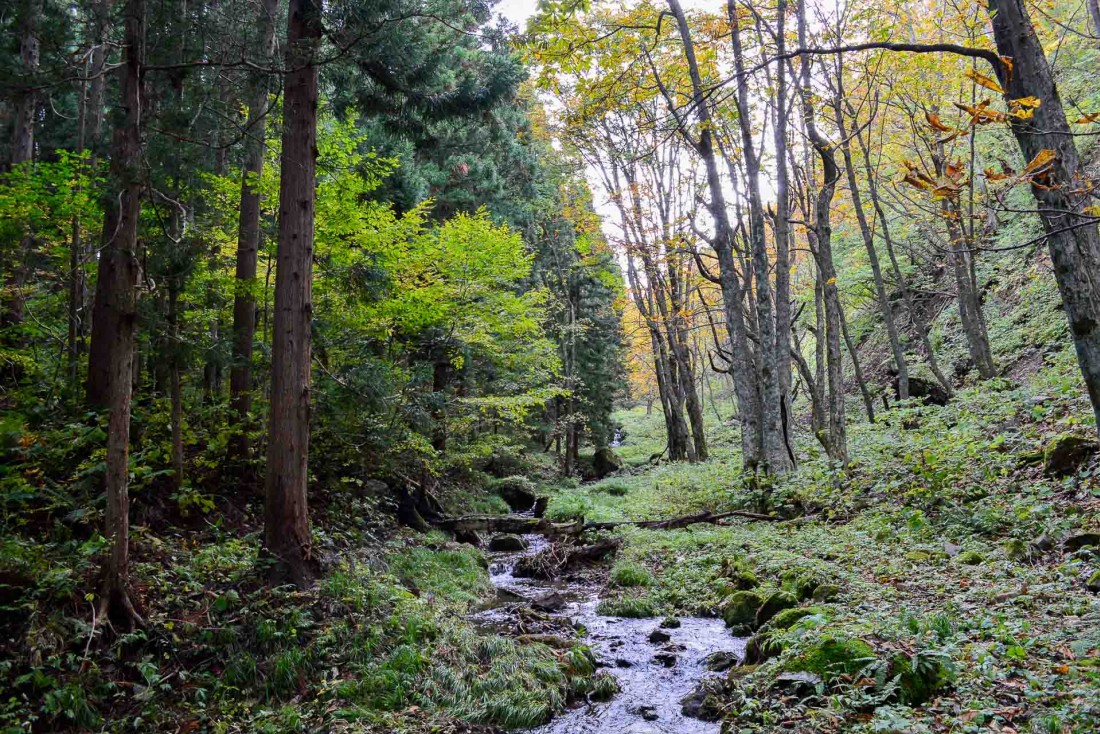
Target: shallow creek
653	676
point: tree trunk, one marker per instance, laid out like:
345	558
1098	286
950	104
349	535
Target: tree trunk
872	254
286	512
742	370
823	233
868	402
773	440
117	298
1072	236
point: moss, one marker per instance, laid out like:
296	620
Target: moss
1093	584
970	558
832	657
787	618
825	593
800	583
773	605
740	610
919	677
918	556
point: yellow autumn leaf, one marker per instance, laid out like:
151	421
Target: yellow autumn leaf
1092	211
831	281
1029	102
983	80
1041	160
1090	117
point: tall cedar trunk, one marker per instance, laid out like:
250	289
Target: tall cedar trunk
742	370
116	298
872	254
1072	236
782	234
22	151
773	441
286	513
823	231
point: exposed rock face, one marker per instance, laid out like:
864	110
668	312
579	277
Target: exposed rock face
606	462
931	391
552	602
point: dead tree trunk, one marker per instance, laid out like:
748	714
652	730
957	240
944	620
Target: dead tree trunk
286	512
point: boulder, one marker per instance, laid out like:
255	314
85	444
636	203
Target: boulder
1065	454
720	662
606	462
826	593
507	544
739	611
928	390
970	558
539	508
919	682
705	702
1093	584
832	657
659	637
799	583
798	683
773	605
787	618
552	602
469	537
670	623
517	491
1081	540
666	659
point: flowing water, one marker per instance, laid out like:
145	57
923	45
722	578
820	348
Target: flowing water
653	676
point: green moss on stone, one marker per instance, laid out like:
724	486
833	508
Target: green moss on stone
773	605
740	610
833	657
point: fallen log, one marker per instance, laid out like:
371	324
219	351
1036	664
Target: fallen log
559	558
522	524
675	523
518	524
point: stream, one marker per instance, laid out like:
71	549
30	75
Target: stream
653	675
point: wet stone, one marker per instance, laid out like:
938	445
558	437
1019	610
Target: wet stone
666	659
658	637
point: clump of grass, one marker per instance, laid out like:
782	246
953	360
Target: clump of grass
627	606
614	488
569	508
625	574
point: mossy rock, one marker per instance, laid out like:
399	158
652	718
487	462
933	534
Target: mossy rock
1017	550
740	609
970	558
761	647
833	657
918	556
918	683
825	593
1065	454
775	604
787	618
1093	584
799	583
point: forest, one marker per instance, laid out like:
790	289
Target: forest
563	366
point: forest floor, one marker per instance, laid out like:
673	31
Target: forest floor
943	582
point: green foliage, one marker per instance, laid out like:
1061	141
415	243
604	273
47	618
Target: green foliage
635	607
630	574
